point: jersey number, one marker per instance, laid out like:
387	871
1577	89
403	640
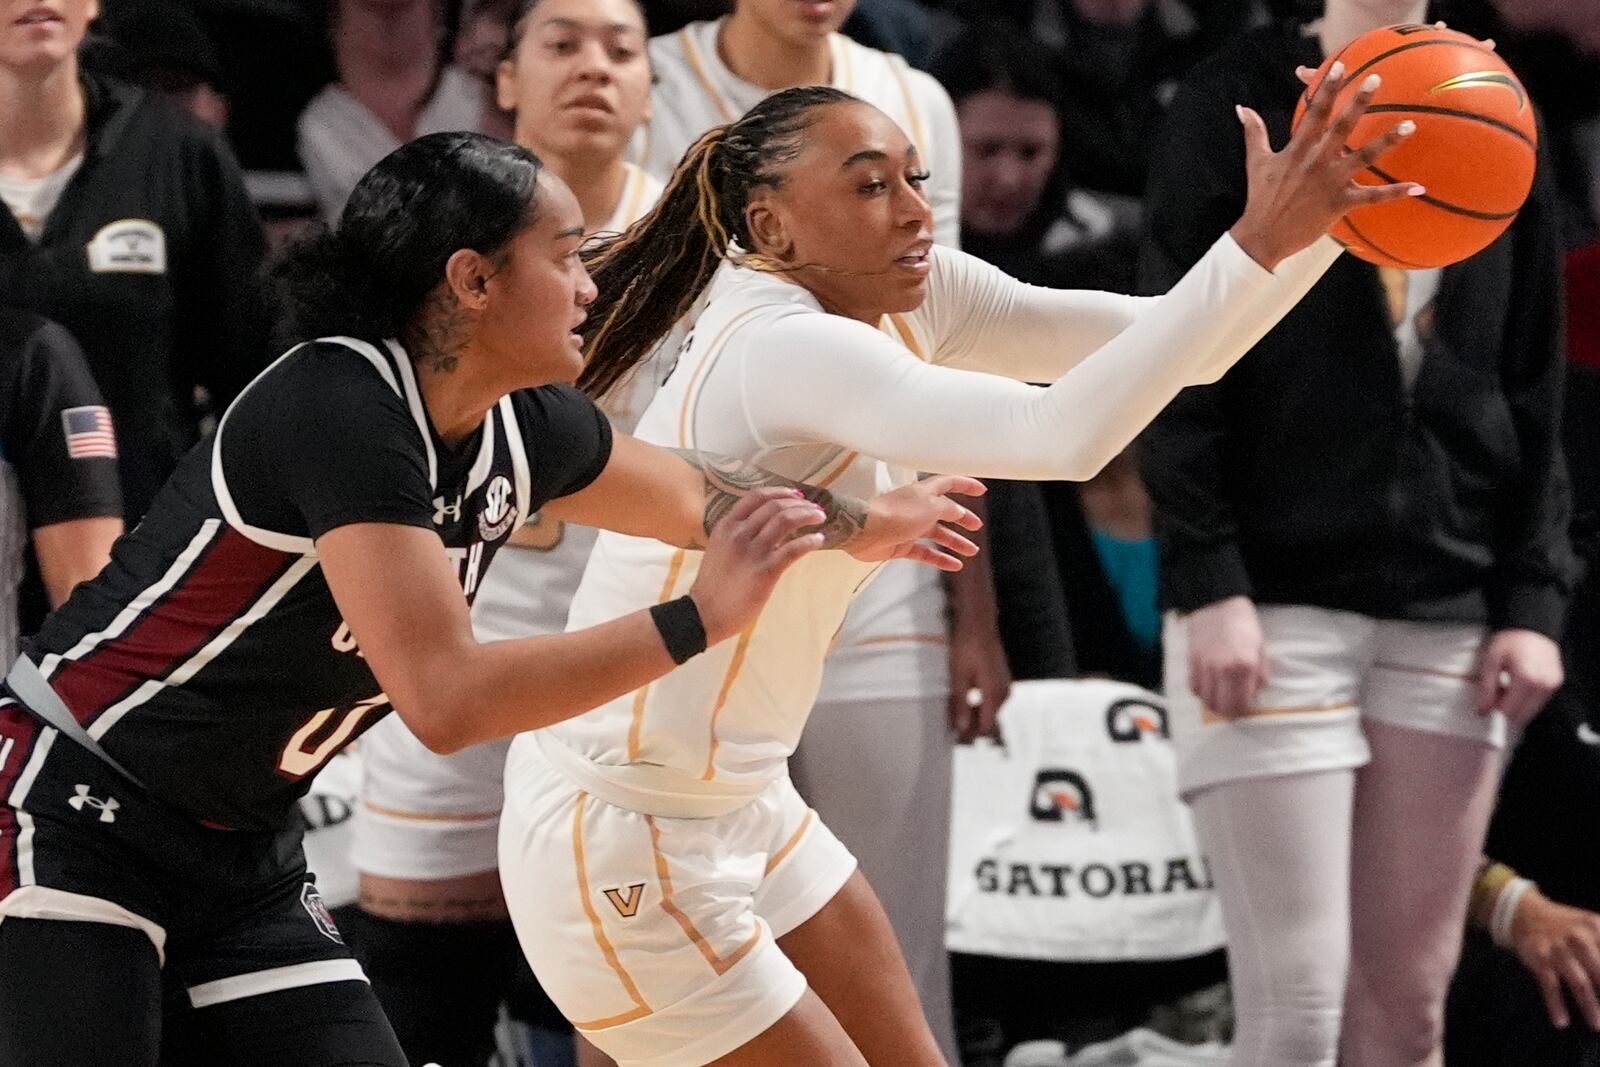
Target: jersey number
298	760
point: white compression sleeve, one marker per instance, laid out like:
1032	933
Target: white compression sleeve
813	377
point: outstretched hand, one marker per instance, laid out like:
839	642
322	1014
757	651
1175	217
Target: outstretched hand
1297	194
918	522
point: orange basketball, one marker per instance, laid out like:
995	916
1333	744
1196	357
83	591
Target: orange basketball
1474	149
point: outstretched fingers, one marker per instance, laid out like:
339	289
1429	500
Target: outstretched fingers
1335	136
1318	110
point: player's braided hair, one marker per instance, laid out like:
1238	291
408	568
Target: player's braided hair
650	276
408	215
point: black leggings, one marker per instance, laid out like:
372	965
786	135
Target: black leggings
82	994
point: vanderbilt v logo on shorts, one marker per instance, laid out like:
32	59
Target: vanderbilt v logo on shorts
627	905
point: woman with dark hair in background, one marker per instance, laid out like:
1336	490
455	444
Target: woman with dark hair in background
307	570
394	84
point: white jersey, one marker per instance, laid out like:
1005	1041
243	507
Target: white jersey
893	645
1070	843
770	377
532	581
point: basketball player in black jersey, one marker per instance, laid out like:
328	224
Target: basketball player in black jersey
302	573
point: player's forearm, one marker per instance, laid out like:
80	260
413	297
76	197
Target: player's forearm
728	479
502	688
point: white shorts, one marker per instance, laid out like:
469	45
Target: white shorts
1326	672
424	816
656	936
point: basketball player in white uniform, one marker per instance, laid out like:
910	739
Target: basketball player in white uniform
889	675
675	896
578	82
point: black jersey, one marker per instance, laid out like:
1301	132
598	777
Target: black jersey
58	457
209	658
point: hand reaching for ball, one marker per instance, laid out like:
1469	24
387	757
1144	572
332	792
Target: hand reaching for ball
1297	193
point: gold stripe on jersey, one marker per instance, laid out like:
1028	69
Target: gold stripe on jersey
908	336
607	950
691	52
844	465
670	906
788	846
919	133
635	198
642	697
691	396
844	71
735	665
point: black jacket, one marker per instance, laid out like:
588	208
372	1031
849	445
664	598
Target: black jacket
1307	475
151	260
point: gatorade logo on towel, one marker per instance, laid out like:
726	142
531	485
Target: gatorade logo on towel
1070	843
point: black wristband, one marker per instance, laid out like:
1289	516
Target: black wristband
681	629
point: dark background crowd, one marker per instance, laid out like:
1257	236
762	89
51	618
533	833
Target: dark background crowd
1060	103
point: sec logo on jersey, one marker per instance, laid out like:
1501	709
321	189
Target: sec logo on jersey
499	513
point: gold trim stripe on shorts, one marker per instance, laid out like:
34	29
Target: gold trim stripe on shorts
788	846
426	816
607	950
670	906
1209	716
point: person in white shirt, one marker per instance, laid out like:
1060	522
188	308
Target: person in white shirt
393	86
911	638
674	895
432	928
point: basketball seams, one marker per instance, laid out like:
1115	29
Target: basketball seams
1351	78
1457	113
1443	205
1375	247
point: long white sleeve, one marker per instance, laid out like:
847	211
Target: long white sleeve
983	319
808	377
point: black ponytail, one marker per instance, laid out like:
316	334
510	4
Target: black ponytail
407	216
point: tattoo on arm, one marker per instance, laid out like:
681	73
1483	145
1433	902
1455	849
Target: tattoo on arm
728	479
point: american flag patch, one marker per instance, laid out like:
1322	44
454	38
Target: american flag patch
88	431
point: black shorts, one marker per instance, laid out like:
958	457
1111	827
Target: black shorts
231	914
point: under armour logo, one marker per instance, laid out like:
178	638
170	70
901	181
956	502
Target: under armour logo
107	807
441	512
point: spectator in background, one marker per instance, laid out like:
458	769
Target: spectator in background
393	86
165	48
1087	607
128	224
1123	59
1363	540
482	41
1020	207
58	474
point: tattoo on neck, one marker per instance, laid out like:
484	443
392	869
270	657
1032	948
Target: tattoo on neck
729	479
439	333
